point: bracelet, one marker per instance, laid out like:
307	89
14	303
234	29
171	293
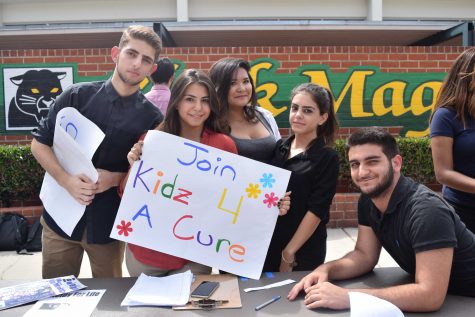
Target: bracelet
291	263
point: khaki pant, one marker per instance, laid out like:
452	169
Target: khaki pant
135	267
62	257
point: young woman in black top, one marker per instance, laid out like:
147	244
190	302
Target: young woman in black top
252	128
299	239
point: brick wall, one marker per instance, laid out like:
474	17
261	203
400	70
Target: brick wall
30	212
339	58
97	62
15	139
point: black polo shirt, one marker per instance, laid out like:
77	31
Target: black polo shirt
313	185
123	120
417	220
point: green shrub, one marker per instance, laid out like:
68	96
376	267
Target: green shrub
417	159
416	154
21	176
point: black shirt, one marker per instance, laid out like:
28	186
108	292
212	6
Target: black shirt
418	220
313	185
123	120
260	149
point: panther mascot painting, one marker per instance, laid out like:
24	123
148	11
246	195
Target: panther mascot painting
36	93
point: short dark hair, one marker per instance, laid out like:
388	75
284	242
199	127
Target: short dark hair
163	73
144	33
374	135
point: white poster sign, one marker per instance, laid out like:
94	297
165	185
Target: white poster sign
202	204
75	158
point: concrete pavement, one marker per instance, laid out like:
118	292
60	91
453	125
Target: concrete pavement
13	266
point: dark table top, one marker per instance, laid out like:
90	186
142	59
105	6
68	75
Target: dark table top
381	277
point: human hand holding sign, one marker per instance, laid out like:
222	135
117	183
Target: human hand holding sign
81	188
284	204
135	153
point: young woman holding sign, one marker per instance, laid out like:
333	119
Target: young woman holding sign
252	128
193	113
299	240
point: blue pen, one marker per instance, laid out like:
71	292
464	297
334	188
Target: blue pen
270	301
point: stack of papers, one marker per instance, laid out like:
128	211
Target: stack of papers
173	290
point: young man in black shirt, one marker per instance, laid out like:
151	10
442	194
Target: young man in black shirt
120	110
415	225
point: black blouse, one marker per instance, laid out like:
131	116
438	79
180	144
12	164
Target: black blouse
313	185
257	149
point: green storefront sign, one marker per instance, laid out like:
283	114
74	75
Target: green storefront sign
364	96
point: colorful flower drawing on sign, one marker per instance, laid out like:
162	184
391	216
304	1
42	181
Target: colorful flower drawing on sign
267	180
271	200
253	191
125	228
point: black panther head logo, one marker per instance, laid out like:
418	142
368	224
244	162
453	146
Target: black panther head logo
36	93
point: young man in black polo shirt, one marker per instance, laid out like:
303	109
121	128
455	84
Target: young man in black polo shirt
416	226
121	111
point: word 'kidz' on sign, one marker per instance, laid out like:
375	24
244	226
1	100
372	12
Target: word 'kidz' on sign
200	203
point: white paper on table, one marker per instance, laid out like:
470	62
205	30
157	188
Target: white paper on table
172	290
77	304
365	305
64	209
281	283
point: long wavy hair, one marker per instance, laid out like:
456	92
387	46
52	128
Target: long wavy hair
458	88
171	123
221	73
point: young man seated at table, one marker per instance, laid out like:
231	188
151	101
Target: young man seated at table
416	226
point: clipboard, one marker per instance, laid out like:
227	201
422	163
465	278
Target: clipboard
228	290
